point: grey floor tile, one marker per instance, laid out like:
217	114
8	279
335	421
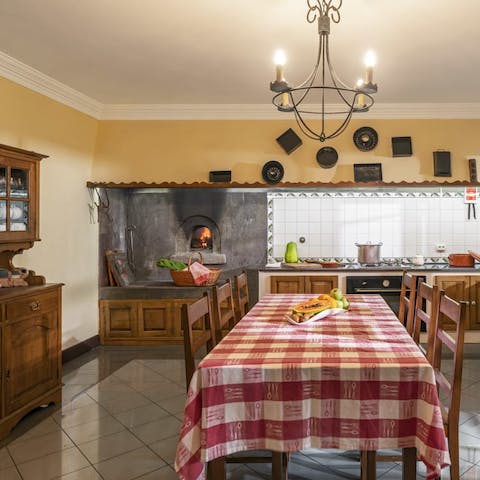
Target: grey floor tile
166	449
88	473
164	473
6	460
53	465
70	416
37	447
141	415
95	429
173	405
10	473
130	465
110	446
158	430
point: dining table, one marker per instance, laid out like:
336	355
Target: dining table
351	381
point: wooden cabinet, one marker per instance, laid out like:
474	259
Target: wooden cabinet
19	197
303	283
141	322
465	289
31	351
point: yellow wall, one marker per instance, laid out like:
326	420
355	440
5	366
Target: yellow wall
67	252
81	148
185	151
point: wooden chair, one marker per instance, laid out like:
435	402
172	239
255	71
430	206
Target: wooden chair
225	319
240	296
426	312
450	392
408	294
223	311
193	341
427	302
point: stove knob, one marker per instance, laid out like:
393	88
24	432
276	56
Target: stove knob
386	283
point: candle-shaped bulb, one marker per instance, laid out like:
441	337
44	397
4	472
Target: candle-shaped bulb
360	96
280	59
370	62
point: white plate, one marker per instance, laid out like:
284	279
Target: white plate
318	316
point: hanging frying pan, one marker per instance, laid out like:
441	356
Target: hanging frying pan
327	157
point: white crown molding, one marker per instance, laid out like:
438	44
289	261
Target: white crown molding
31	78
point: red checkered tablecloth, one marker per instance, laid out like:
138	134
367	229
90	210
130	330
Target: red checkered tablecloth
353	381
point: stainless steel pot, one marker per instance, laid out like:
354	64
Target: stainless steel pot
369	253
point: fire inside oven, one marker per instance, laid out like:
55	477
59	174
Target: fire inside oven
388	287
201	238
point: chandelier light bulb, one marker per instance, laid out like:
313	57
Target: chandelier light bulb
370	62
360	96
280	59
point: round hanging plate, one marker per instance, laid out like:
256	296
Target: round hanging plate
365	138
327	157
272	172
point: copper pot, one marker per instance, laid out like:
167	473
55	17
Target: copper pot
461	260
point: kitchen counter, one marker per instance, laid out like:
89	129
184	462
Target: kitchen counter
355	267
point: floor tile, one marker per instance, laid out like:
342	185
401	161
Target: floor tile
158	430
70	416
88	473
166	449
173	405
110	446
472	474
164	392
95	429
130	465
471	426
53	465
10	473
37	447
141	415
42	428
165	473
5	459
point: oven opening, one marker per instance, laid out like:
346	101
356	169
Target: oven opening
201	238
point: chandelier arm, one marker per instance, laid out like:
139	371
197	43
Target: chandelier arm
306	130
333	74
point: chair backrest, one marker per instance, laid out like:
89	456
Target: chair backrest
240	296
224	316
202	336
426	312
449	392
408	294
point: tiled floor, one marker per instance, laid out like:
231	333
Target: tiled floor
121	415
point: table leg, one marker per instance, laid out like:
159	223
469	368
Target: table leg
368	462
409	463
279	465
216	469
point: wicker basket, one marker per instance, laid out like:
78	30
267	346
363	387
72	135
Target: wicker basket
184	278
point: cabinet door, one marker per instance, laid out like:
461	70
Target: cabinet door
287	284
474	307
31	359
155	318
320	284
456	287
118	319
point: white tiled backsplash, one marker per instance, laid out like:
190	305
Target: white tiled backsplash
408	223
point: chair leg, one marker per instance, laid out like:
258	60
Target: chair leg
368	465
454	454
279	466
216	469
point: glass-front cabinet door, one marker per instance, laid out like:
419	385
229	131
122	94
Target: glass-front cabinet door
19	176
15	198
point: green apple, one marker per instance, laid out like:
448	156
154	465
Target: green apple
339	303
345	303
336	293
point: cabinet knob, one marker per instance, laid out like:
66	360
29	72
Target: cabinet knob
34	305
464	302
473	303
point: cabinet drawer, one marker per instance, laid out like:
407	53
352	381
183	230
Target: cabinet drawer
33	305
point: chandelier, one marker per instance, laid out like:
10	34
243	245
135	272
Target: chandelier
323	93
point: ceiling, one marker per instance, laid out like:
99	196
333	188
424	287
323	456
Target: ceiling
220	51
